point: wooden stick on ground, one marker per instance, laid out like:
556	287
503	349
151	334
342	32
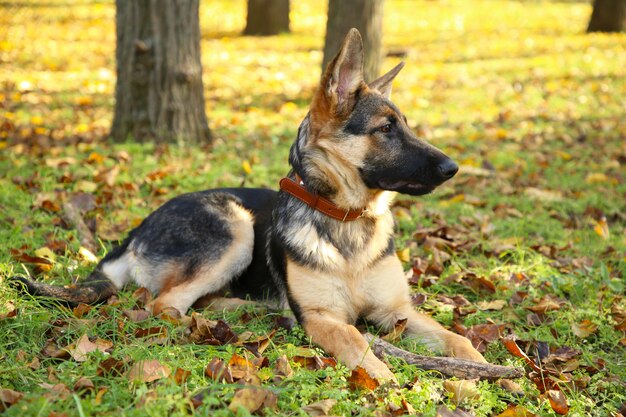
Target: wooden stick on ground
72	216
461	368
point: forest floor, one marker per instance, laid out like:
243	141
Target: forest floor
527	240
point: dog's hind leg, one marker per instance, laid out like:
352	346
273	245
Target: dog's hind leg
182	285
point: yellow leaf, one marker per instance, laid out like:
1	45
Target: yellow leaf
461	390
86	186
95	157
288	107
87	255
36	120
491	305
596	177
564	155
602	228
45	253
457	198
404	254
247	168
84	101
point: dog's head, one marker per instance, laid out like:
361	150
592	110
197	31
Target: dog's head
356	136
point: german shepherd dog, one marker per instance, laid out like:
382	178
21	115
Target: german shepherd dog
323	244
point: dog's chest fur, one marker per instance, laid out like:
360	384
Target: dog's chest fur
345	249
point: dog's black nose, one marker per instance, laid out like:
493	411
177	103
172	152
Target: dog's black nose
448	168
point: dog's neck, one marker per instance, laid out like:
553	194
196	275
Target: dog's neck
323	173
371	203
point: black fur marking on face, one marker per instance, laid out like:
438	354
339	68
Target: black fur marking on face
398	160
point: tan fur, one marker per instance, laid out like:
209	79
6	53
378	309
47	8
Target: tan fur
332	301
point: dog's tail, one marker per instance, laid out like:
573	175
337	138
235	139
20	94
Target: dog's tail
95	289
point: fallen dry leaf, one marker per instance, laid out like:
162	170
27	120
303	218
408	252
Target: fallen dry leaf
148	371
252	397
511	386
319	408
218	371
514	349
81	309
314	362
495	305
137	315
84	346
516	411
482	334
241	367
443	411
546	303
99	395
462	390
11	310
87	256
396	333
8	397
180	376
360	379
558	402
56	391
282	369
112	366
601	227
142	297
543	195
52	350
257	346
584	329
41	265
84	385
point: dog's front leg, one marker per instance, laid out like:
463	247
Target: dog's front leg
345	343
437	337
392	302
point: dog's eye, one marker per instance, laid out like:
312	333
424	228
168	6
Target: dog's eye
386	128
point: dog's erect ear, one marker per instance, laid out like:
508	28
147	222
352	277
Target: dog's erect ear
383	83
344	75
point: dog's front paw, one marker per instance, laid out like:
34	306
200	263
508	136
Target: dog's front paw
460	347
380	372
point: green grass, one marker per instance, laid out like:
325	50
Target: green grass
514	91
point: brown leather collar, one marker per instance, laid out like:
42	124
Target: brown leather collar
321	204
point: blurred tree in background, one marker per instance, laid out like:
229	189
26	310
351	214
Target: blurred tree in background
608	16
267	17
367	17
159	94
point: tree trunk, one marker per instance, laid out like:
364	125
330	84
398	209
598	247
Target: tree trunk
158	94
607	16
367	17
267	17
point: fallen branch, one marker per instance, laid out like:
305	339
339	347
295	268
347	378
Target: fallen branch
73	217
461	368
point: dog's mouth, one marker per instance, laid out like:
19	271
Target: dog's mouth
406	187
